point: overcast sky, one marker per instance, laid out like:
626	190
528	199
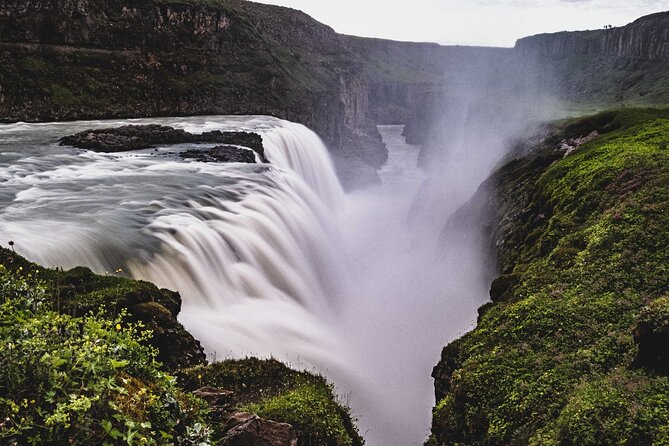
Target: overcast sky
470	22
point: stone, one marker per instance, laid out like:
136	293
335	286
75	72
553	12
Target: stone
138	137
214	396
651	334
245	429
222	154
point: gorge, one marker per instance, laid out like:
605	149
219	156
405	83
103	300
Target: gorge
397	181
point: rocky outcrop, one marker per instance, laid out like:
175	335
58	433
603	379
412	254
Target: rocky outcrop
646	38
137	137
651	334
245	429
79	292
220	154
255	401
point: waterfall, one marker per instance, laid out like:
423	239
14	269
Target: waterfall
270	260
295	147
251	248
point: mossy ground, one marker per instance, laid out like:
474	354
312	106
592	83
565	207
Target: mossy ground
273	391
553	361
79	291
90	379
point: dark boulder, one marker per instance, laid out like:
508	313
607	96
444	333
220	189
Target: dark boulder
652	336
245	139
126	138
221	154
502	286
245	429
214	396
221	402
138	137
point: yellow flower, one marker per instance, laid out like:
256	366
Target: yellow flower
118	327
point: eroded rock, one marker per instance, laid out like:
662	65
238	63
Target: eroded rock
245	429
652	336
221	154
138	137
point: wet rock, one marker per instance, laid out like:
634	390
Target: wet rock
138	137
502	285
222	154
214	396
127	137
245	429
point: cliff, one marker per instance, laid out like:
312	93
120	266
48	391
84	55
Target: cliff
646	38
573	348
591	70
63	60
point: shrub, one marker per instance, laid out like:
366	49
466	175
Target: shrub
83	380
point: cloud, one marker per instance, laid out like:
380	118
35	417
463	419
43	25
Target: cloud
472	22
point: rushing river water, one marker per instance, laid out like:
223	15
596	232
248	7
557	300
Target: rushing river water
271	260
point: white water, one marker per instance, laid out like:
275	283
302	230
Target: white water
269	261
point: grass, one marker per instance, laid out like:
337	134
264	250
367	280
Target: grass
273	391
553	361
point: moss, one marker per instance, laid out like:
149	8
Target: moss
564	335
276	392
63	96
79	292
620	409
310	408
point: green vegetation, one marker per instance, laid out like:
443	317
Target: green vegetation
83	380
311	410
553	361
275	392
80	363
210	4
79	291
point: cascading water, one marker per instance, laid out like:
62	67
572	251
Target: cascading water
270	260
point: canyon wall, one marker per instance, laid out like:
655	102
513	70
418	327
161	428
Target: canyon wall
79	59
646	38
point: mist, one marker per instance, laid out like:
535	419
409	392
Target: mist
420	273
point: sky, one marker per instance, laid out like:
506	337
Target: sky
470	22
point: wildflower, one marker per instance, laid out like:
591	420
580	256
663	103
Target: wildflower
118	327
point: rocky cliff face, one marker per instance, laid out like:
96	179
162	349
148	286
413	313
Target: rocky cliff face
572	348
78	59
646	38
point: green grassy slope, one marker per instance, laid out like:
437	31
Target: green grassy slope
555	359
